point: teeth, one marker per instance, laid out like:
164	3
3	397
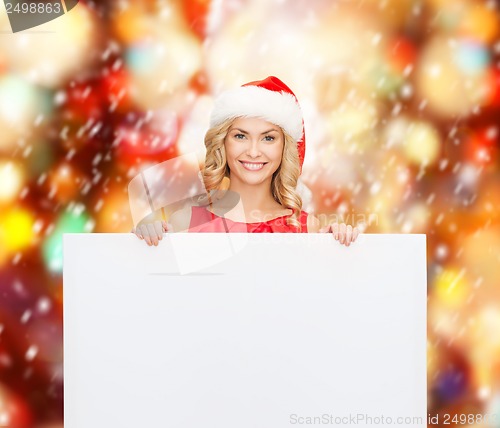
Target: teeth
253	166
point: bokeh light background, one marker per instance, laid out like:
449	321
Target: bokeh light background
402	109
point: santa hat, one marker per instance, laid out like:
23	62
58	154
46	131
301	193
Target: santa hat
269	99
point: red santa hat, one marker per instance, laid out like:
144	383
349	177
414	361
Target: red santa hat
269	99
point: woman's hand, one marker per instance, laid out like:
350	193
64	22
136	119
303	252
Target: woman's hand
152	232
344	233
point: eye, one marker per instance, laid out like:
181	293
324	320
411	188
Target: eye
269	138
239	136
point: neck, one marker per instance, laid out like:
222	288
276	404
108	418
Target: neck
255	198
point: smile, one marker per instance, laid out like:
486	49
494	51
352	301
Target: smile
251	166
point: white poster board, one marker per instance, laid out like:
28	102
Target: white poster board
278	330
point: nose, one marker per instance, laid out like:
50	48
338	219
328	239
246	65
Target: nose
253	149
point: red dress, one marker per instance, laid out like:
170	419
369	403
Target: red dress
203	220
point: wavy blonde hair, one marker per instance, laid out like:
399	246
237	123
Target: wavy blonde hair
284	180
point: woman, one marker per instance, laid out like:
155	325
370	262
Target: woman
255	151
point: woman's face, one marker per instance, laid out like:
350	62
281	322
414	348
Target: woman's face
254	148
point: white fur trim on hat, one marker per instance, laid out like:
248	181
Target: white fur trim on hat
280	108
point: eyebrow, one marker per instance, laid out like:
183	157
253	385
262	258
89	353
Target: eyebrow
245	132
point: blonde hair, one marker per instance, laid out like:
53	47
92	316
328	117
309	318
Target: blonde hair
284	180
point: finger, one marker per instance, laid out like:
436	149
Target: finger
348	235
159	229
355	234
335	230
144	232
136	233
152	234
165	226
325	229
342	231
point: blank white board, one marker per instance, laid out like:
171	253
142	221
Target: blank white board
276	330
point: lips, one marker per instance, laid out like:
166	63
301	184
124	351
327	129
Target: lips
253	166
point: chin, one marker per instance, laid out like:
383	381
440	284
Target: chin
254	180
